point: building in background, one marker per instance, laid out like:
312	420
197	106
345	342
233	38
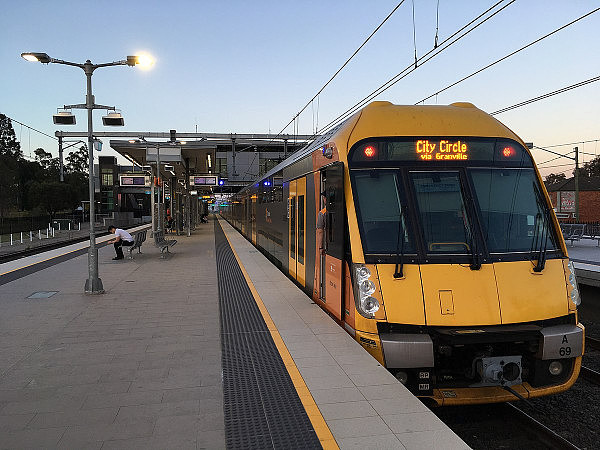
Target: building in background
562	195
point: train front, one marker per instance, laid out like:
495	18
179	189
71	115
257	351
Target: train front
462	288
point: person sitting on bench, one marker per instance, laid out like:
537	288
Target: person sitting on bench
122	237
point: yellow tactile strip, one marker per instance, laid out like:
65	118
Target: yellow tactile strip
318	422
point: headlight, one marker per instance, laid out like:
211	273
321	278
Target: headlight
367	287
362	273
555	368
366	305
370	305
575	298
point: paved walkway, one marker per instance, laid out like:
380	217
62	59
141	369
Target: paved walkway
137	367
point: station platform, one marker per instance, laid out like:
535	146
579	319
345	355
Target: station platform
585	254
209	347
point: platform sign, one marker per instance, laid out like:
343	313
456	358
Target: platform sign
166	154
134	180
567	201
204	180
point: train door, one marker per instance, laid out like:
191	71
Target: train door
332	266
297	229
253	218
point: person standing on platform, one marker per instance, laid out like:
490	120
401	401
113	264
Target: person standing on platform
122	238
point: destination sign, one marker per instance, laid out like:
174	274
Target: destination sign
442	150
445	150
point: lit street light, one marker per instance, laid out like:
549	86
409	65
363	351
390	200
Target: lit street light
93	284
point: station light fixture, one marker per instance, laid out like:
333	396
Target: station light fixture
36	57
64	118
93	284
113	119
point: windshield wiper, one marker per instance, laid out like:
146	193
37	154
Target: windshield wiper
400	252
542	235
473	244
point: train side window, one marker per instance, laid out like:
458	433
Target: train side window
301	229
292	222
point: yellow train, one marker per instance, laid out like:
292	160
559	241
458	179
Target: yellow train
439	251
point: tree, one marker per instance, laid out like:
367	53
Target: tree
78	161
590	169
9	146
9	184
49	164
51	196
555	178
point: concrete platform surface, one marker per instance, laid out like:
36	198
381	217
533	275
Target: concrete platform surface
140	366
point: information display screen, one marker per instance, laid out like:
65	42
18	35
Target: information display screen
205	180
441	150
135	180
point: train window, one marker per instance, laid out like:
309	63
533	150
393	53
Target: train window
442	211
380	212
510	209
301	229
292	222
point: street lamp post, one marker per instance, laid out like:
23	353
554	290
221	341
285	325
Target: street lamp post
93	284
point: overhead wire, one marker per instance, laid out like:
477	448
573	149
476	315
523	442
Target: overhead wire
544	96
510	54
423	59
31	128
572	143
342	67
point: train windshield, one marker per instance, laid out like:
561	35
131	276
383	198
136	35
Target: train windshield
382	214
453	196
442	212
512	211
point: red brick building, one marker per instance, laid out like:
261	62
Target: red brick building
562	195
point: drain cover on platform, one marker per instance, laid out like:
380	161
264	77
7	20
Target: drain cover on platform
43	294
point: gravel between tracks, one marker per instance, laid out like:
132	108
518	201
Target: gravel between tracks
572	414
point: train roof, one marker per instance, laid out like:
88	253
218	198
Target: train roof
383	118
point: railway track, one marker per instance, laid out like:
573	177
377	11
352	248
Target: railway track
592	342
541	431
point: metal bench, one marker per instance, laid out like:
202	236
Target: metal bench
162	243
572	231
140	237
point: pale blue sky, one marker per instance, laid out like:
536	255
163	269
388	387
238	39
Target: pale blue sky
240	66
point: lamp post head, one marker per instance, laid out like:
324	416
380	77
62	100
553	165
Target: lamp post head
143	61
33	56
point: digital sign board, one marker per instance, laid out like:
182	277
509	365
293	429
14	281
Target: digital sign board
442	150
204	180
135	180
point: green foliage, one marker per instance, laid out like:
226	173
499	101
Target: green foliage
9	183
51	196
34	185
555	178
590	169
78	161
9	146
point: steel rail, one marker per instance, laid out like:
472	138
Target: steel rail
590	375
542	432
592	342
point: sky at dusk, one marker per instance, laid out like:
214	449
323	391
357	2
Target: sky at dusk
249	67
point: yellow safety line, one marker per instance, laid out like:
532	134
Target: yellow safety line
316	418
